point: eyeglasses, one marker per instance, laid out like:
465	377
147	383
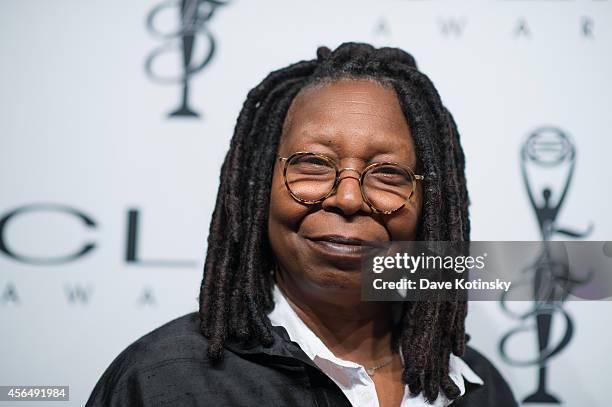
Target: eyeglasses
312	177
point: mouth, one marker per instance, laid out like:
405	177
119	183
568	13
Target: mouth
346	240
345	251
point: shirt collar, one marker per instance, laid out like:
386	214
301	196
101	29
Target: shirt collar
344	372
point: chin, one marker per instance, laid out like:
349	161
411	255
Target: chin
337	281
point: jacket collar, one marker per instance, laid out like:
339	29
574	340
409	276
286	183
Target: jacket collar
281	347
290	352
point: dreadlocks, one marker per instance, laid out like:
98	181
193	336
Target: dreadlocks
236	291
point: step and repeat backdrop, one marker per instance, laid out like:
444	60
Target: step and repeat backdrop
115	117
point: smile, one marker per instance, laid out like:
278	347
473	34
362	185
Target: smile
341	250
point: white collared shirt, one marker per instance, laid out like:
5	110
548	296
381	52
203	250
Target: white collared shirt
351	377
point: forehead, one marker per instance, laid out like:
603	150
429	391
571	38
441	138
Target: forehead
352	118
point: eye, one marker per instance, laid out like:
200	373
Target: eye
309	164
388	174
389	171
314	161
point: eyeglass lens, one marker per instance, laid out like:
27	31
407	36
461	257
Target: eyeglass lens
311	177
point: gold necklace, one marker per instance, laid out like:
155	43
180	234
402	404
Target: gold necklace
385	362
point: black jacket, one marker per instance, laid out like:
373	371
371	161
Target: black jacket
169	367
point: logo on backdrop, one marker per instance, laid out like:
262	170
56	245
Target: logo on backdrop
75	293
189	41
132	238
547	166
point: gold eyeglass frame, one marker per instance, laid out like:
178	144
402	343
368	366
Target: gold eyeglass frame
339	171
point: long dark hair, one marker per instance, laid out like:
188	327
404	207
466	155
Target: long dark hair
236	291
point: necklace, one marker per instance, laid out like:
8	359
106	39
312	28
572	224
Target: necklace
385	362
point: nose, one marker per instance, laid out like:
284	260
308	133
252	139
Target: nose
347	197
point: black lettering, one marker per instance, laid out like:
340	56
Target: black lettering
131	247
5	248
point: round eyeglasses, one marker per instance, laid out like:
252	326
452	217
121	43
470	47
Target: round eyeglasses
386	187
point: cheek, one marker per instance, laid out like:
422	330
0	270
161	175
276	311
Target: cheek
285	214
284	219
403	224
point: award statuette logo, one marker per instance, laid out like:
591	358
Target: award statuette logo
190	41
547	158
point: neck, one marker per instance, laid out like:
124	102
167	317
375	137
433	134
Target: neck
352	329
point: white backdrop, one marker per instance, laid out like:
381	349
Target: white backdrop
83	126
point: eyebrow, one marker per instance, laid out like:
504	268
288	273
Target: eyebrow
332	151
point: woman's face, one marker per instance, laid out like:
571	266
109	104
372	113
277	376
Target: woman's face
356	122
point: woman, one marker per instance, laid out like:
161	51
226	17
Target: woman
281	321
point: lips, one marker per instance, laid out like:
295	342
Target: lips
351	241
344	251
346	240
